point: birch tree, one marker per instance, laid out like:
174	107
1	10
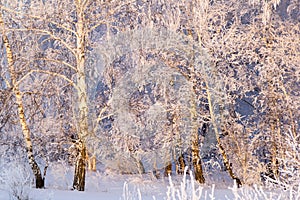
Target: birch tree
160	45
67	26
171	67
240	38
21	112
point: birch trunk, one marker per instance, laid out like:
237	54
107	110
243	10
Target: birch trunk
216	130
91	163
180	165
197	164
80	165
80	168
196	160
168	169
39	180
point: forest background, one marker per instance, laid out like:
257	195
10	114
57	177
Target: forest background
151	87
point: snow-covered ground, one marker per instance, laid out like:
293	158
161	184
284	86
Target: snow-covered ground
111	186
119	187
16	184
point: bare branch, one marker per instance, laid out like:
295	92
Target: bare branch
23	78
7	82
50	34
95	26
38	17
59	62
58	75
110	13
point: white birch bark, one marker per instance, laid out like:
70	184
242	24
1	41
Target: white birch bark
80	165
21	112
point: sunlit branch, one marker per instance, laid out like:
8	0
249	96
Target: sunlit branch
6	82
23	78
84	2
108	15
38	17
99	118
95	26
48	33
58	75
59	62
6	102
